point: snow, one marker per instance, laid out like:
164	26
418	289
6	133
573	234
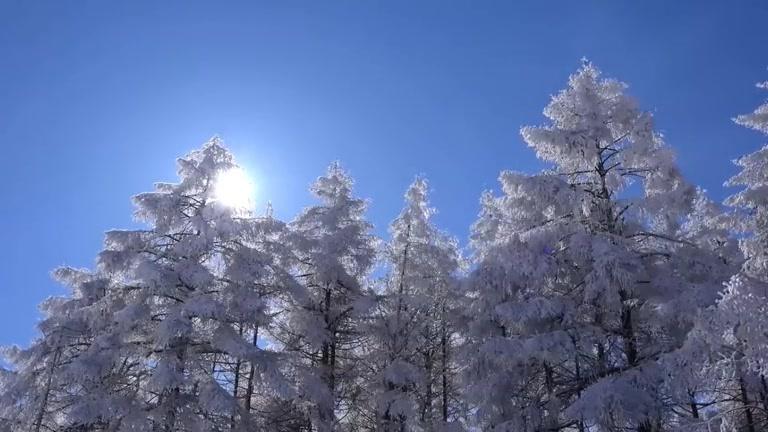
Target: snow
604	293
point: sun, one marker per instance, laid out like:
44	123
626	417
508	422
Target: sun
234	188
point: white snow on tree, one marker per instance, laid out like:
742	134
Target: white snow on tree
578	291
603	294
412	351
333	252
739	327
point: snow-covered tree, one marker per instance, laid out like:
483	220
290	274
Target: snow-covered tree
576	291
413	383
197	286
605	294
707	259
52	383
745	295
257	278
334	251
741	314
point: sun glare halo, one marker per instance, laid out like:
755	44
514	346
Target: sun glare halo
234	189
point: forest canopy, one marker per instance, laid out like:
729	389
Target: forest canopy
604	293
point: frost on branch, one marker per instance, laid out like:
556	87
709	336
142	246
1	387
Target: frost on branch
580	280
604	293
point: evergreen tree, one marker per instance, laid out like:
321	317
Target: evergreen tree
196	286
413	336
334	251
576	287
741	313
50	387
605	294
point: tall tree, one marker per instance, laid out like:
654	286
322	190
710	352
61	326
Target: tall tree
194	284
575	289
741	312
50	387
693	382
413	337
334	251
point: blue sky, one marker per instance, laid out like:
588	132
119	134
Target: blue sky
97	99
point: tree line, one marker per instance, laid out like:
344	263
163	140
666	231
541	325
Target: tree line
604	293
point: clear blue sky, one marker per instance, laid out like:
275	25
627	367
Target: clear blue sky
97	99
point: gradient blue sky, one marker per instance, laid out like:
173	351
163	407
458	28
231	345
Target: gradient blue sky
98	98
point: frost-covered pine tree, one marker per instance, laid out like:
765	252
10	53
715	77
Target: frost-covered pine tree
576	294
334	251
741	313
412	336
195	286
746	292
52	382
257	278
708	258
606	294
514	333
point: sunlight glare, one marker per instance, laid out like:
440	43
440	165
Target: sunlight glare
235	189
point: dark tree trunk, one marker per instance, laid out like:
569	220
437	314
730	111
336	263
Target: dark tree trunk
251	375
747	410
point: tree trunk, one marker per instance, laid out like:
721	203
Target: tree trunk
251	375
236	387
426	410
444	340
327	362
694	408
747	409
628	333
47	391
179	346
580	424
599	347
